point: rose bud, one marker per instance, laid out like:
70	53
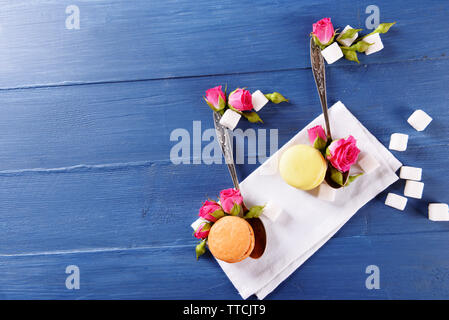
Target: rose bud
323	31
317	137
241	100
231	201
200	249
215	98
202	231
211	211
342	153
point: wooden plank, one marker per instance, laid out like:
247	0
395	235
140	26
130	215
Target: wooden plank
154	205
165	39
411	267
132	122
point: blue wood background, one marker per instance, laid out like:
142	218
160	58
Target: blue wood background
85	122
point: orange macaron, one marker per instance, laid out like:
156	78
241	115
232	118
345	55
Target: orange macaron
231	239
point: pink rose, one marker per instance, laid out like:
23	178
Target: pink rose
215	98
324	30
203	230
241	100
211	211
343	153
315	132
229	198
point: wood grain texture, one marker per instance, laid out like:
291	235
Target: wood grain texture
165	39
336	271
85	123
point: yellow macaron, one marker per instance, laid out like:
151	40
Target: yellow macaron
303	167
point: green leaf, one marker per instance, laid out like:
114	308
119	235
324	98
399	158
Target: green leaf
319	143
221	103
350	54
361	46
317	41
352	178
336	176
275	97
218	213
348	34
254	212
252	116
235	211
200	249
381	28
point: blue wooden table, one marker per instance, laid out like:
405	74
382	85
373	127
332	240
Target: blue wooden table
86	114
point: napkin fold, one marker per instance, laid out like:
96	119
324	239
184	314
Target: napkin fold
306	222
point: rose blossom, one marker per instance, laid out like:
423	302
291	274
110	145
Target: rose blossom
230	197
241	100
324	30
211	211
315	132
343	153
213	96
202	231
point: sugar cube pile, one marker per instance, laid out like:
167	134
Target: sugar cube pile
396	201
438	212
398	142
419	120
230	119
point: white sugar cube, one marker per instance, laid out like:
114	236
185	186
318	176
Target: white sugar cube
197	223
332	53
325	192
348	41
398	142
396	201
376	41
230	119
419	120
438	212
271	211
410	173
259	100
413	189
368	163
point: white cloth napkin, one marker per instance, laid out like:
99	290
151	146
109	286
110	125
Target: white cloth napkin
306	222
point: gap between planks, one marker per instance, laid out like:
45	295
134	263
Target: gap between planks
71	84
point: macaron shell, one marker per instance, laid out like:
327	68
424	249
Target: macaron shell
303	167
231	239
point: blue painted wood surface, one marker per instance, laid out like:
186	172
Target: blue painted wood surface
85	123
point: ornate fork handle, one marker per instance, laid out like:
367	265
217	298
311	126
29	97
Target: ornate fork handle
319	74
